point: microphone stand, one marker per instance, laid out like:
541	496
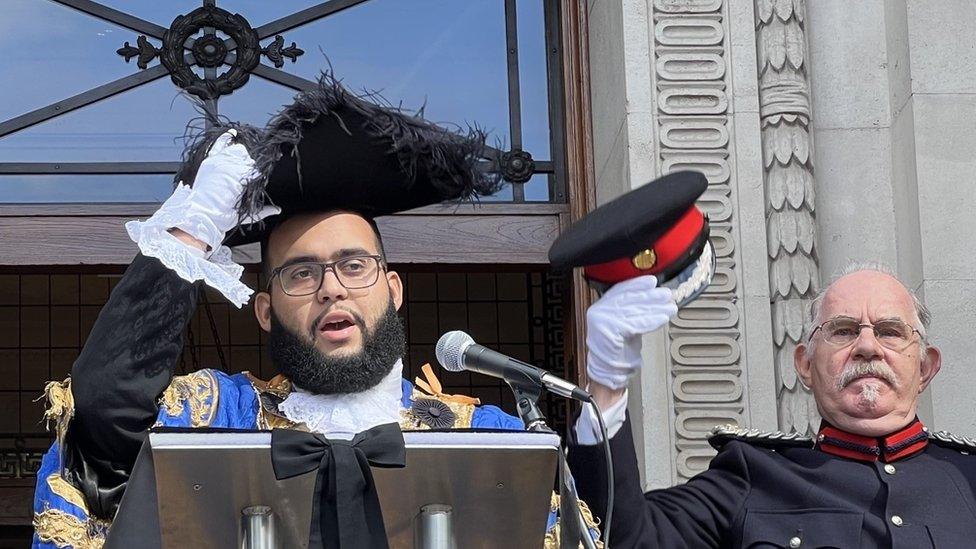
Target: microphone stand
527	401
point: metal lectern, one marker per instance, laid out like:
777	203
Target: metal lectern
458	489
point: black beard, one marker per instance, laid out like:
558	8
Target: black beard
307	367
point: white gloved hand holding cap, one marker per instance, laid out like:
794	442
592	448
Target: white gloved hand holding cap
615	324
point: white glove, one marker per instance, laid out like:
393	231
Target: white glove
210	210
615	324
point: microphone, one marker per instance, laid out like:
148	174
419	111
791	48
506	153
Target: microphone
457	351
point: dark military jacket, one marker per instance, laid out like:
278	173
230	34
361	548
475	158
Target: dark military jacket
908	490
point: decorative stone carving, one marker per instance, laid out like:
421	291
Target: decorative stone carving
794	276
693	132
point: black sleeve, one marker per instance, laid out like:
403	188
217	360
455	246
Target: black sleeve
698	514
127	362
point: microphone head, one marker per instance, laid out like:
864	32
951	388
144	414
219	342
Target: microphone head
450	350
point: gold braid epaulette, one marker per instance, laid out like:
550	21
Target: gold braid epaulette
723	434
946	439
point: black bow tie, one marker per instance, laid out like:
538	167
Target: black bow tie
346	514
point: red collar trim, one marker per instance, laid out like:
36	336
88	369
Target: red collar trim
902	443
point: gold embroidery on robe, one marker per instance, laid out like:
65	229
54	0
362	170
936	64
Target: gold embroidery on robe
270	394
199	391
60	406
66	530
69	493
552	536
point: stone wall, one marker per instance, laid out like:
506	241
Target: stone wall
830	131
677	88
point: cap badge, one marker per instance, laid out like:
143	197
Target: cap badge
645	260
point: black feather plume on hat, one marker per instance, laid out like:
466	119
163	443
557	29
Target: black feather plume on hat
448	159
199	140
332	149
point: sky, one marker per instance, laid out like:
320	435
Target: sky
446	55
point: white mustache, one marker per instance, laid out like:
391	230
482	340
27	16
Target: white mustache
859	369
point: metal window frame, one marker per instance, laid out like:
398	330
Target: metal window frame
554	168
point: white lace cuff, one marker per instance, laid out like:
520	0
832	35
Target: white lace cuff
154	240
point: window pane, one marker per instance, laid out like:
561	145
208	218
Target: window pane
51	52
533	79
256	102
155	11
537	188
446	54
28	189
143	124
257	12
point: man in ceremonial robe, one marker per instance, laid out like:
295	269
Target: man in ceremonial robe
309	186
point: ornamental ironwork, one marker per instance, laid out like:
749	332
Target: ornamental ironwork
210	51
517	166
209	65
143	49
277	53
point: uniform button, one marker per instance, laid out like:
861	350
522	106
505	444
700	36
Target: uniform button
795	542
896	520
889	468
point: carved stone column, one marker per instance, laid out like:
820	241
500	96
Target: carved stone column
675	87
693	132
794	276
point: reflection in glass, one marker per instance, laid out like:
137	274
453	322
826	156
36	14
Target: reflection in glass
533	79
51	52
161	13
143	124
256	102
537	188
28	189
446	54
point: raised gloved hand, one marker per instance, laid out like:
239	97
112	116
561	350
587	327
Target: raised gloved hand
211	207
615	324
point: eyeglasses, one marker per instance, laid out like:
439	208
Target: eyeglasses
891	334
353	273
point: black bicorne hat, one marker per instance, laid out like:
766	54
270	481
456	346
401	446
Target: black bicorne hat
655	229
333	150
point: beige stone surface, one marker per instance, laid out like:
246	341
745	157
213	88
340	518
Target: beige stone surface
945	144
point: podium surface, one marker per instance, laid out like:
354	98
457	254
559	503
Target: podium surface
498	485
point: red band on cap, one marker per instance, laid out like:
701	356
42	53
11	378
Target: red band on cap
672	246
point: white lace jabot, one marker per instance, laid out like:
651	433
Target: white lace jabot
342	416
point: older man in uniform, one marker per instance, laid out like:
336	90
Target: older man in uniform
874	476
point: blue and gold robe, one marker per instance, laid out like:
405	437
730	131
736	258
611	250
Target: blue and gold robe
209	399
122	385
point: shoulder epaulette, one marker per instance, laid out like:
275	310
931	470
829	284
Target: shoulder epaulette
954	442
723	434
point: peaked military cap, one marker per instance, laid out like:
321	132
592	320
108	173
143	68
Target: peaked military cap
334	150
655	229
